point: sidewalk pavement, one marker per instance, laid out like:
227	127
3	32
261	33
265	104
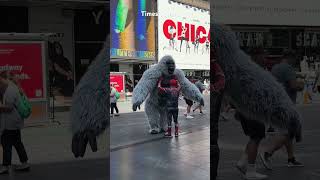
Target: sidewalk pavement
50	156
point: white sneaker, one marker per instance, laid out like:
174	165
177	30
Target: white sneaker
242	169
266	161
252	174
22	167
255	176
189	117
4	170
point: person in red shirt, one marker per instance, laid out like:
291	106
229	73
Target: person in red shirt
170	89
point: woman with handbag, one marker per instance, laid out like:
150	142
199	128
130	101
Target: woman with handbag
11	125
114	96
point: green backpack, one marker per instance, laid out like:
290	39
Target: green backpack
24	107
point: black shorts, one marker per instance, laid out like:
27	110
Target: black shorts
189	102
253	129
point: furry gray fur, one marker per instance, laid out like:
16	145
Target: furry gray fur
90	102
254	92
147	90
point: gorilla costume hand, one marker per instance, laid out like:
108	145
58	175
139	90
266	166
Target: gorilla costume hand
90	105
136	106
80	141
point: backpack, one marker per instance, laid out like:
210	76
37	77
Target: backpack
24	106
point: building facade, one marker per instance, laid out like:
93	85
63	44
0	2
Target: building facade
274	27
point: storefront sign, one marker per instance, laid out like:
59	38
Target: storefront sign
251	39
184	33
270	12
308	39
118	80
132	54
25	60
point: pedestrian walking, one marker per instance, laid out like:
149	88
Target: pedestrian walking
255	130
11	124
114	96
201	88
286	75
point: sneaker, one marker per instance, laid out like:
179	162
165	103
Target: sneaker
4	170
189	117
153	131
224	117
266	160
270	130
22	167
117	114
112	115
242	169
294	163
255	176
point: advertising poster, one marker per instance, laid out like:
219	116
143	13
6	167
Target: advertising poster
132	31
24	60
118	81
184	34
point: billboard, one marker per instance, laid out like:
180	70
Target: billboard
132	31
184	33
25	60
118	80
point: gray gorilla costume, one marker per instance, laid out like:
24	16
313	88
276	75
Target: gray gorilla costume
90	104
146	90
254	92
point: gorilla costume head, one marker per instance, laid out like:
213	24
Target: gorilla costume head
167	65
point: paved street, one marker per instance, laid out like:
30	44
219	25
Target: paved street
137	155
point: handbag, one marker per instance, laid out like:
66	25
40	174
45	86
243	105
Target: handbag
117	94
24	106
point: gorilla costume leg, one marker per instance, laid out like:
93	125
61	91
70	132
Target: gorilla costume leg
153	115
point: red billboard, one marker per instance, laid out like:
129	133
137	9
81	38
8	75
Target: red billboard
118	80
24	60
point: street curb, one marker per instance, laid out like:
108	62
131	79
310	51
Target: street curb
140	142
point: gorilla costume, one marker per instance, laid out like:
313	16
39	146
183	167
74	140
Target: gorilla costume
90	104
146	90
254	92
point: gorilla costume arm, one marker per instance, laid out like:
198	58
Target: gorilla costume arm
188	89
146	84
90	104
